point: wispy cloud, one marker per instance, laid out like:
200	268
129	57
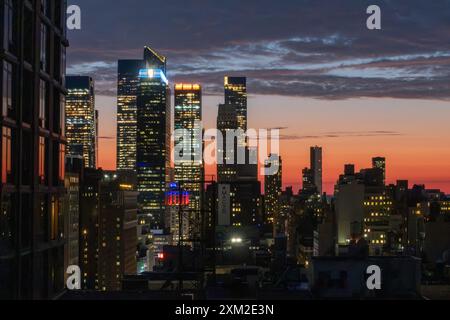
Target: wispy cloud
340	134
292	48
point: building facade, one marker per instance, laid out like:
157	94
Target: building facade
127	86
32	60
81	119
189	170
226	125
316	167
117	234
236	95
273	188
380	163
153	140
71	208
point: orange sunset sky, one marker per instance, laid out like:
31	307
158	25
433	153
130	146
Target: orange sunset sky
412	134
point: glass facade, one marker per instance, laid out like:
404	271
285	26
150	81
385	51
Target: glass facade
81	131
31	252
236	95
127	86
189	168
153	140
7	97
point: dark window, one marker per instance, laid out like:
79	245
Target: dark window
59	17
44	47
7	101
43	104
62	114
56	270
26	219
57	58
40	269
58	113
28	35
7	279
6	225
63	65
46	8
27	159
26	277
42	160
41	223
8	26
27	97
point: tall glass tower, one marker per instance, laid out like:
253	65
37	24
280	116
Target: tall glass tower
188	138
236	95
153	140
226	121
81	131
127	87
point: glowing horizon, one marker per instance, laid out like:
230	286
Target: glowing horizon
350	131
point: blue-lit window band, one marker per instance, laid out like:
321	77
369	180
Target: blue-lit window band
153	74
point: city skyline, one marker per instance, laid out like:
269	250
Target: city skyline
104	192
400	87
335	143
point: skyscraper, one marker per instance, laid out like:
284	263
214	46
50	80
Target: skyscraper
380	163
108	235
226	123
273	189
153	139
81	123
71	208
241	178
127	87
308	181
89	223
97	128
236	95
189	168
32	55
117	234
316	167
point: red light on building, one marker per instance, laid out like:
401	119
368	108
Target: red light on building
174	199
161	256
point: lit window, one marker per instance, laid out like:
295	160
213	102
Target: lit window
42	159
54	223
6	155
62	161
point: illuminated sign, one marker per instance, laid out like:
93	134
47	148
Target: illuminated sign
173	198
153	74
176	198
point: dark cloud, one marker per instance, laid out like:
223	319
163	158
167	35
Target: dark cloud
312	48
